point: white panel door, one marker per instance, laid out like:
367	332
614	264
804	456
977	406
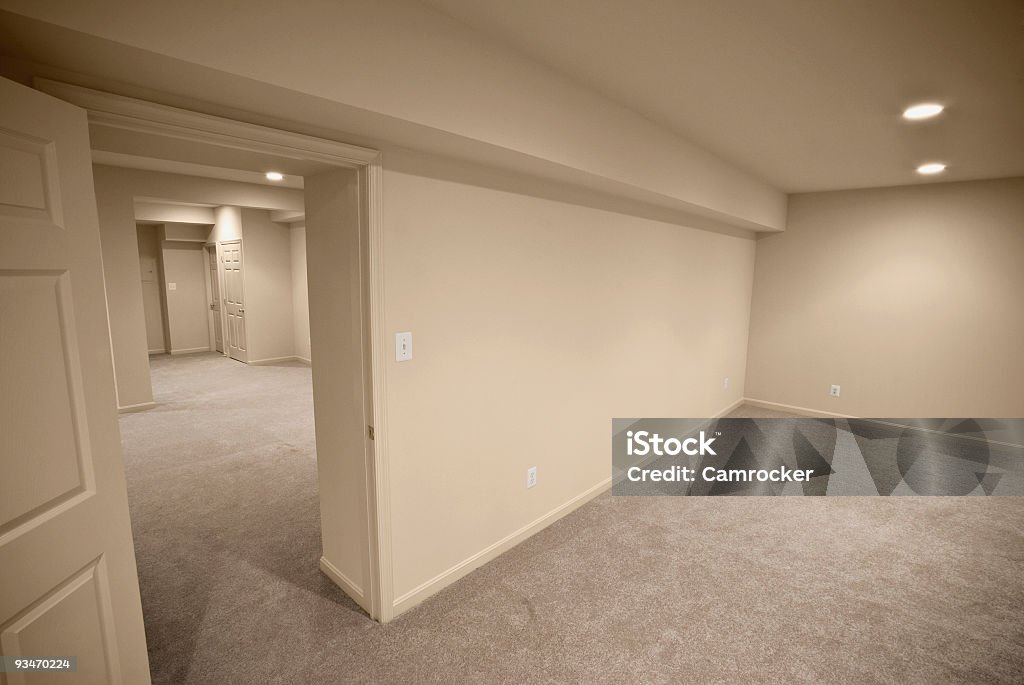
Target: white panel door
234	299
68	585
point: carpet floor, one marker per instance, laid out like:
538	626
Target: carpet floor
223	494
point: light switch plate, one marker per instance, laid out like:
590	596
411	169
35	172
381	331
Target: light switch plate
172	286
403	346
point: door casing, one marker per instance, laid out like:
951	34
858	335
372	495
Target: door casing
211	262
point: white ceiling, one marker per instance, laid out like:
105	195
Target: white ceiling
806	94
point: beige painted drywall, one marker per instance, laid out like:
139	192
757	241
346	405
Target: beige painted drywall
909	298
186	304
165	212
123	282
336	309
152	287
116	191
188	232
535	321
227	224
300	292
438	83
267	278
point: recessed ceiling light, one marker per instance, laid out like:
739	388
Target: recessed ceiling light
275	176
931	168
925	110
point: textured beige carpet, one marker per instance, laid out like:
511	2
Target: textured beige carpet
222	483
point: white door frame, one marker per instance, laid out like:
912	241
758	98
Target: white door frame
211	263
142	116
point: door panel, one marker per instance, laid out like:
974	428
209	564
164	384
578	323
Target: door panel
234	299
79	612
57	465
68	585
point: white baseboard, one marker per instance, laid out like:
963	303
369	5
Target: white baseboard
728	409
190	350
815	413
344	582
141	406
307	362
463	568
160	351
277	360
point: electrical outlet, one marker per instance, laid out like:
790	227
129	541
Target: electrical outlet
531	476
725	383
834	391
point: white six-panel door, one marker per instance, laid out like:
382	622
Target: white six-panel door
234	299
68	584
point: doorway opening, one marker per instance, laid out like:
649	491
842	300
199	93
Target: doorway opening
345	286
224	474
213	296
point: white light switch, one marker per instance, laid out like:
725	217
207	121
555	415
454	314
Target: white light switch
172	286
403	347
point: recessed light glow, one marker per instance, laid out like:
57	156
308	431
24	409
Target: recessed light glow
931	168
926	110
275	176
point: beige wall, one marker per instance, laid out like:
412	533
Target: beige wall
909	298
227	224
336	307
121	273
535	322
266	251
163	213
300	292
152	286
193	233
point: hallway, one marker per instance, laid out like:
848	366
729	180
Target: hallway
223	494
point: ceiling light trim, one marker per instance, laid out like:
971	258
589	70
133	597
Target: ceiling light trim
923	110
931	168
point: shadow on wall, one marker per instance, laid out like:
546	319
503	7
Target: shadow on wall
557	191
